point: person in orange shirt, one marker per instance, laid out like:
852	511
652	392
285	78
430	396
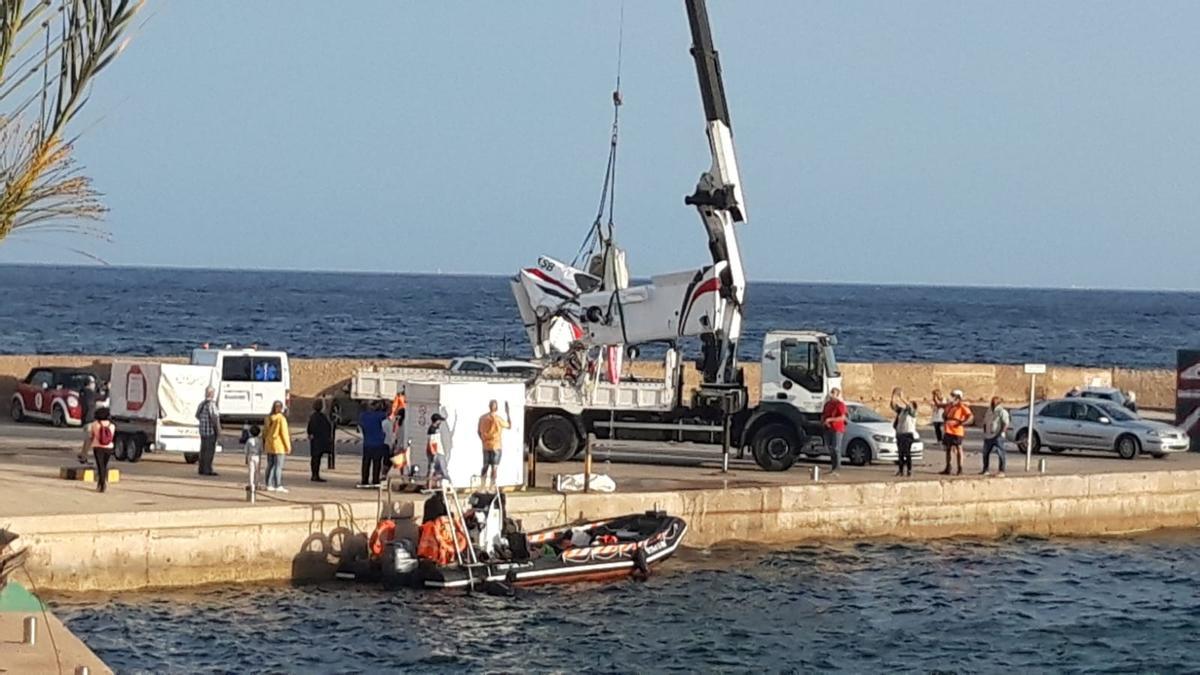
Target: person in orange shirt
491	429
958	418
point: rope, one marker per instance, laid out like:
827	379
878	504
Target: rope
608	190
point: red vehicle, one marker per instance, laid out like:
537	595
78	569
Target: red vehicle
51	394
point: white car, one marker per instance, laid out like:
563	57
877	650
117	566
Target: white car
526	369
870	437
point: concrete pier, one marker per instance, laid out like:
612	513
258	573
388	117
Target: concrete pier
55	649
164	527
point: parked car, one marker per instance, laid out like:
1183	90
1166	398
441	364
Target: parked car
51	395
1095	424
475	364
1109	394
870	437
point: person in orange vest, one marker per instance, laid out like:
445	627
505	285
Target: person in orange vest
491	430
958	418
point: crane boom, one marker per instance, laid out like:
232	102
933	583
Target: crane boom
718	198
563	307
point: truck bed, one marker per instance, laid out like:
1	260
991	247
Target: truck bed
547	391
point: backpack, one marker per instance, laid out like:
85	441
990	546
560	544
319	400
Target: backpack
104	436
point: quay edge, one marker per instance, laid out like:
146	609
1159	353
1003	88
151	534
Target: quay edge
129	551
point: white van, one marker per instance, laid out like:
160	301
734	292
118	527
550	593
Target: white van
250	380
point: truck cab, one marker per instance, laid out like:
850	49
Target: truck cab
249	381
799	369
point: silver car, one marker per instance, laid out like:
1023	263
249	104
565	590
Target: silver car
1093	424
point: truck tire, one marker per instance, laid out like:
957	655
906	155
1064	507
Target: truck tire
121	447
776	447
555	438
136	448
191	457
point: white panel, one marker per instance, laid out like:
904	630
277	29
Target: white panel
462	404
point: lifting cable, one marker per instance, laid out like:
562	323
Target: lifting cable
608	192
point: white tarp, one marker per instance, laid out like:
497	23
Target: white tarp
181	391
463	404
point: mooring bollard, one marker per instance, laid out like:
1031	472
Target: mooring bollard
29	631
82	670
815	473
1042	465
250	493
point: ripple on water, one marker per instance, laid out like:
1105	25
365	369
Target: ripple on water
1025	605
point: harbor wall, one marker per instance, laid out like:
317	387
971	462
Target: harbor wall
305	541
867	382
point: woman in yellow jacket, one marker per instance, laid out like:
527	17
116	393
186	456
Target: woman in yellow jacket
277	442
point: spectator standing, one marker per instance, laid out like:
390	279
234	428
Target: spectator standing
939	414
958	418
906	430
995	422
101	434
1131	401
320	439
491	431
277	441
372	422
210	428
833	419
435	452
87	400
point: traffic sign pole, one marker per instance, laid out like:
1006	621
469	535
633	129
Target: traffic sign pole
1031	369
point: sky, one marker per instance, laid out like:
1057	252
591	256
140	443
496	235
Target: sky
977	143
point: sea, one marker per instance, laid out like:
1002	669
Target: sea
100	310
1115	605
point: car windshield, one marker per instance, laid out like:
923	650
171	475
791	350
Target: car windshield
864	415
1117	412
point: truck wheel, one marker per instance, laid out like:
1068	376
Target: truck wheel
121	448
191	457
17	411
555	438
136	448
776	447
57	417
858	452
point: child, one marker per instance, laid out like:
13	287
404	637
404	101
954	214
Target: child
434	452
254	448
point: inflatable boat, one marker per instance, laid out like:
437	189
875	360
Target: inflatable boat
478	547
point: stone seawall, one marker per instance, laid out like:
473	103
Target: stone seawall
305	541
868	382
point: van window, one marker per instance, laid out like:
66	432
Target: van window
267	369
236	369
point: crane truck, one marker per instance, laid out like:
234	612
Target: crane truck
569	311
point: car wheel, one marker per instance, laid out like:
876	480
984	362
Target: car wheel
17	411
1023	441
191	457
858	452
555	438
1128	447
57	417
775	447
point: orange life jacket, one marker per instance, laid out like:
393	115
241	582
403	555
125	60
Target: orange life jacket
437	541
385	533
